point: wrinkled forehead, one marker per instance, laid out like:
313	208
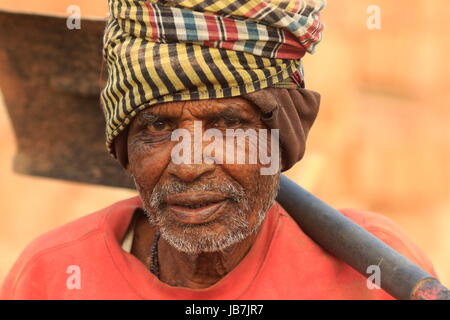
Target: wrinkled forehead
203	109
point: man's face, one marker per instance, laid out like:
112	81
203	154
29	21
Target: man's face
208	205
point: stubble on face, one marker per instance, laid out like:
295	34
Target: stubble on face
231	227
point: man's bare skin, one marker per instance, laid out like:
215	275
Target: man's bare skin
149	156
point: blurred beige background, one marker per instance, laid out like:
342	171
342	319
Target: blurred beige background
381	141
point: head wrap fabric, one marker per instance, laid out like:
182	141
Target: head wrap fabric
161	51
293	111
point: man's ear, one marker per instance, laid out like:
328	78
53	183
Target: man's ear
121	148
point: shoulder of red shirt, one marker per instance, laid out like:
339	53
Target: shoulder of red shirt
75	230
60	238
389	232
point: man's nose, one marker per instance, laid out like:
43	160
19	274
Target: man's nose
190	172
199	164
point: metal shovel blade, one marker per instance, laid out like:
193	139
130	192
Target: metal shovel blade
51	78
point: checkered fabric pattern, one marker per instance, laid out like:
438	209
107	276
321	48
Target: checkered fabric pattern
162	51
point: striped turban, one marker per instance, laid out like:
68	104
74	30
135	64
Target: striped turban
164	51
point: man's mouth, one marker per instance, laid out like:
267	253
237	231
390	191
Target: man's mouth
196	208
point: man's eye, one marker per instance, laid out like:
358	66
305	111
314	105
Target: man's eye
160	125
228	122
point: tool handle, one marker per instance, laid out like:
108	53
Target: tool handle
357	247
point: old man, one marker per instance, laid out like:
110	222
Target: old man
205	106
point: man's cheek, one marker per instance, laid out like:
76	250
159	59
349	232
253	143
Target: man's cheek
245	174
248	177
147	167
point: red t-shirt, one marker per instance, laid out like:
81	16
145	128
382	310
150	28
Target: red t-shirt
283	263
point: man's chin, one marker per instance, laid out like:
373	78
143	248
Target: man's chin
200	238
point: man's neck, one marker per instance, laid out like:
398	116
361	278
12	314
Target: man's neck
176	268
202	270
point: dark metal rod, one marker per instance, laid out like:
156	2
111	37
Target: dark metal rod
351	243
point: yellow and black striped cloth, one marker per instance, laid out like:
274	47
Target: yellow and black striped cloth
162	51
